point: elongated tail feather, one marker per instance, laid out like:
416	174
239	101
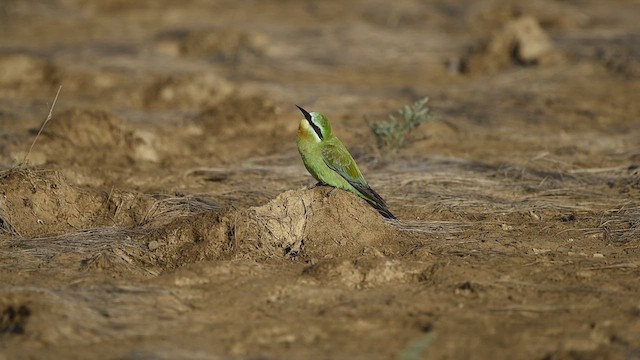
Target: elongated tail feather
375	200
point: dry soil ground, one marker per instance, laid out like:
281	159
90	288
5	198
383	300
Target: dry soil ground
164	212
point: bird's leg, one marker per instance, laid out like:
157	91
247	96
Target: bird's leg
320	183
309	187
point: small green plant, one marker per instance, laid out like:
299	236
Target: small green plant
390	135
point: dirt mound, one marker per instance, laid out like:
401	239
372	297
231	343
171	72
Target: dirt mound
36	203
87	128
316	224
307	225
521	41
81	136
90	138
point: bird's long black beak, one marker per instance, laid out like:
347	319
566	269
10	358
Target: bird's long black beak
313	125
305	113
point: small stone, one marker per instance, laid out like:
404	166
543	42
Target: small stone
534	215
153	245
541	251
598	256
506	227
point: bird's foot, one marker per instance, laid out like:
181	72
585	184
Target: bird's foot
321	184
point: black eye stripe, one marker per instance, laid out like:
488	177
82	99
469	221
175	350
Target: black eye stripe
316	129
308	117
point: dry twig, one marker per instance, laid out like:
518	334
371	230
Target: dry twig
49	116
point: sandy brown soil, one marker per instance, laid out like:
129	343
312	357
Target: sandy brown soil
164	212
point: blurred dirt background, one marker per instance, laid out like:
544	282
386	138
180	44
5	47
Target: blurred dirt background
164	212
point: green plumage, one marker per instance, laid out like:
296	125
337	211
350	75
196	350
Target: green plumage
329	161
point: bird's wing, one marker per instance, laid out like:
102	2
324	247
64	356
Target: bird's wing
338	159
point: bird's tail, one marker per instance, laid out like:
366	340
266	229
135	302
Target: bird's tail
384	211
376	201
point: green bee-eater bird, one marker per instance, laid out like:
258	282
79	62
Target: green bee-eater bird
329	161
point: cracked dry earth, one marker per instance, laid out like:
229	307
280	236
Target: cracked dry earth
164	212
